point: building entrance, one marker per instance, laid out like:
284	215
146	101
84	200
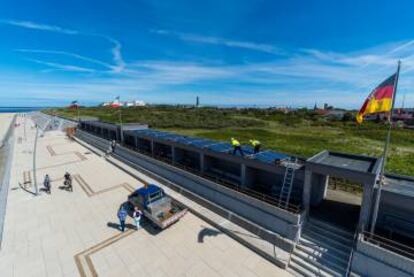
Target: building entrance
340	204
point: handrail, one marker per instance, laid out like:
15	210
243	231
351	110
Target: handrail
354	241
389	244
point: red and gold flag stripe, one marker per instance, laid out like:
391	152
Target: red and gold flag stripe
379	100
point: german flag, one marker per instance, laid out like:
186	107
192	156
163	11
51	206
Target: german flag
380	99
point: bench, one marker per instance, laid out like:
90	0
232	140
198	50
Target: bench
27	178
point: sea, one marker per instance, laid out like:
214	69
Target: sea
20	109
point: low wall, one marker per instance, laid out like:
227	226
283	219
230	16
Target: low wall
371	260
6	157
272	218
100	143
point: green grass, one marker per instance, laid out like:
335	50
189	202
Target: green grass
301	133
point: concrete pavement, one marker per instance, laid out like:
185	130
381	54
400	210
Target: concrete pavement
75	234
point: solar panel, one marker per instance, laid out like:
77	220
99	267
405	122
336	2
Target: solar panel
220	147
202	143
247	150
216	146
269	156
170	137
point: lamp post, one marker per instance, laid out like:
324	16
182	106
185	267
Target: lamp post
25	137
34	161
120	121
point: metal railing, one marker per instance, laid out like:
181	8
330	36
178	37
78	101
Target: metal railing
351	255
388	244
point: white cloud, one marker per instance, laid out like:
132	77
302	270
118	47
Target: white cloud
117	57
69	54
38	26
62	67
261	47
119	63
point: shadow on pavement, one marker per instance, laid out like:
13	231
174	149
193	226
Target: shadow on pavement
207	232
145	225
117	226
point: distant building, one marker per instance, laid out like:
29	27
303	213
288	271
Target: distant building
135	103
116	103
400	114
335	114
284	110
74	105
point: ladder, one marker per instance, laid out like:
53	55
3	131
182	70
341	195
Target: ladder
287	185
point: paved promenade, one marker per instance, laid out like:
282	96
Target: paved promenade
75	234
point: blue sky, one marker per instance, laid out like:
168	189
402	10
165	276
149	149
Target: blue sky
292	53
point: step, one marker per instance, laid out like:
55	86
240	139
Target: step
321	261
315	270
320	230
326	254
332	227
323	246
299	270
332	241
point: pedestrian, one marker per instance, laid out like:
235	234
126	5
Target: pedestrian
67	181
137	217
122	215
236	147
46	184
113	145
256	145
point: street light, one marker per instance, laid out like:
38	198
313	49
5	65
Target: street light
34	161
34	155
25	137
122	131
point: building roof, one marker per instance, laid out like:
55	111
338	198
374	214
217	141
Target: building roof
399	184
358	168
346	161
265	156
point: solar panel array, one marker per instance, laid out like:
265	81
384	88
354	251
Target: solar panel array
270	157
212	145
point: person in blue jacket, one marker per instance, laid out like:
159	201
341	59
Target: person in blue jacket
122	215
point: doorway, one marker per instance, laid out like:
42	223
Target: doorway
336	200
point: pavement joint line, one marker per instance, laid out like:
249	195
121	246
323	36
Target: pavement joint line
52	152
87	253
57	165
90	192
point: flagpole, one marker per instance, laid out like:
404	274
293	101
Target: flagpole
384	156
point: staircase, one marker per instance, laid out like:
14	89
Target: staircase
323	250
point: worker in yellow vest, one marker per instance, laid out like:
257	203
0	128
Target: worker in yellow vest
256	145
236	146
